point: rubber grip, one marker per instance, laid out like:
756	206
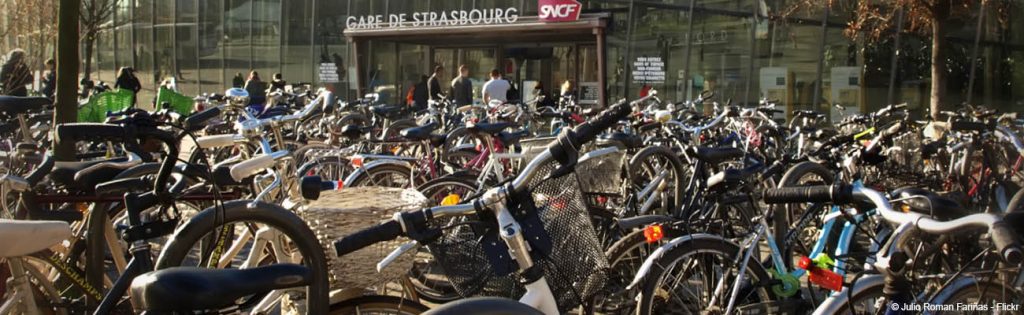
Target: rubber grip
76	132
384	232
198	120
839	194
1005	240
251	166
970	126
215	141
588	131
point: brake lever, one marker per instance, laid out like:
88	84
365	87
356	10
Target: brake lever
398	252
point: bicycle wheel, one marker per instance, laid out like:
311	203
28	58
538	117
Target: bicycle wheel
266	234
47	296
871	300
377	304
648	164
684	279
384	175
981	296
426	276
625	257
330	168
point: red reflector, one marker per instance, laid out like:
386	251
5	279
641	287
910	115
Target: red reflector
820	276
602	199
653	233
804	262
340	185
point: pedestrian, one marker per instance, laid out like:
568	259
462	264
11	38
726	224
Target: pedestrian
542	96
48	86
238	81
15	74
420	95
127	80
257	89
277	83
568	93
434	85
462	87
496	89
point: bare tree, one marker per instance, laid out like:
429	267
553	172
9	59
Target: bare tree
873	19
29	25
95	17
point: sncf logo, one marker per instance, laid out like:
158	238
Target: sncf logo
559	10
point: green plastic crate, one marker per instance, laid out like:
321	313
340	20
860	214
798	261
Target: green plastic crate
96	109
180	104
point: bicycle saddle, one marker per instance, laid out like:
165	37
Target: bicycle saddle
14	105
488	128
419	133
186	289
627	140
88	178
63	173
388	111
931	203
718	155
26	237
512	137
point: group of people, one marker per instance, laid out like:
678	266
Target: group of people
460	91
256	87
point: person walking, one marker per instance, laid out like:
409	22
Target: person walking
48	86
257	89
496	89
462	87
420	95
15	75
434	85
127	80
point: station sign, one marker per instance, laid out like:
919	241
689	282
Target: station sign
430	19
559	10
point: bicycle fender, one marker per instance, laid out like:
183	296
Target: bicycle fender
832	304
631	223
369	166
963	281
645	268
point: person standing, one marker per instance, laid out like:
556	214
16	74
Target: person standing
238	81
127	80
496	89
15	75
257	89
277	83
462	87
434	85
49	83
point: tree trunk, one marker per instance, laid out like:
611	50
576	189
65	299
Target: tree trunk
66	107
938	94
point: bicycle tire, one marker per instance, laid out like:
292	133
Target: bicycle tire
636	163
366	178
720	247
437	289
485	306
377	304
615	286
979	292
288	223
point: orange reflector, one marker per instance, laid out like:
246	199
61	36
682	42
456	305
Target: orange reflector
395	149
451	200
905	208
357	160
653	233
82	207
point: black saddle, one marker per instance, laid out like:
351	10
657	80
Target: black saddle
627	140
509	138
388	111
88	178
419	133
187	289
718	155
353	131
731	177
66	173
13	105
930	203
489	128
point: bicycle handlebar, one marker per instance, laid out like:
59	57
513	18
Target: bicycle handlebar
1003	237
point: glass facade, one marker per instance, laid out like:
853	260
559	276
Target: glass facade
729	47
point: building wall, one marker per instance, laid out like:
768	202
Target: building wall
204	43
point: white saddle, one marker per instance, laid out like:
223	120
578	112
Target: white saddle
22	237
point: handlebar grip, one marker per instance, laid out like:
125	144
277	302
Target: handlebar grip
839	194
251	166
1005	240
588	131
384	232
198	120
76	132
215	141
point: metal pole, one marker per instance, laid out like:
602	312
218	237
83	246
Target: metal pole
894	65
689	49
629	52
974	52
66	107
821	59
753	53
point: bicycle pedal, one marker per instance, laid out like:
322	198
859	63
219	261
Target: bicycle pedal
779	307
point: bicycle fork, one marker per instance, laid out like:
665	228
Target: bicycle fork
750	246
